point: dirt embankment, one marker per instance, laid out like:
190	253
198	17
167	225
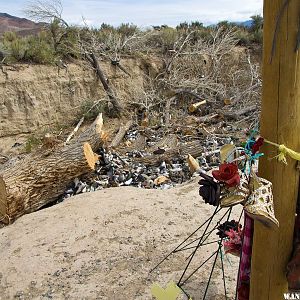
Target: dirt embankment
102	245
36	97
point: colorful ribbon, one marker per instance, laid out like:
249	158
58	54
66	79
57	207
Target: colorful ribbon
284	151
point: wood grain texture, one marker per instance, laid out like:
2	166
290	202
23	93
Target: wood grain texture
41	178
280	123
120	134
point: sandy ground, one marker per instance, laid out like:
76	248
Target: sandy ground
102	245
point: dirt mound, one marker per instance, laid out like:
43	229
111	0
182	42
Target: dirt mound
102	245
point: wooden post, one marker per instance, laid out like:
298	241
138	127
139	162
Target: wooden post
280	123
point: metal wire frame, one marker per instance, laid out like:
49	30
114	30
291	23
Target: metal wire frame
202	241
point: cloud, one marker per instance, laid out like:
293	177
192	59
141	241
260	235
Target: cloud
154	12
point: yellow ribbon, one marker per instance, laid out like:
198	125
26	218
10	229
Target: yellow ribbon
284	151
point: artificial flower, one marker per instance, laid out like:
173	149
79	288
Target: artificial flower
228	173
257	145
209	190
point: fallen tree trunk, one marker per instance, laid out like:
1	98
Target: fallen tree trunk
193	148
235	115
207	118
41	178
120	135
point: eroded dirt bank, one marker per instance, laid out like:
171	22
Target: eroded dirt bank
38	98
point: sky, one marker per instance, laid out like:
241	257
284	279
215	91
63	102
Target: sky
147	12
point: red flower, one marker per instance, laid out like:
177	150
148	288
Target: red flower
233	243
257	145
227	173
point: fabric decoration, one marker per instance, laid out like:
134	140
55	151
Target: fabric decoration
234	243
260	204
245	263
209	190
284	151
235	195
293	267
256	146
231	233
228	173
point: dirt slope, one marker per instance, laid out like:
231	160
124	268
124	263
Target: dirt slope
35	98
102	245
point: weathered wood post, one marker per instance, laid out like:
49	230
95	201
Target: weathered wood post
280	123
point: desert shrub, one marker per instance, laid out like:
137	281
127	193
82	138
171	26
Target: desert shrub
14	46
196	25
183	25
90	109
168	37
31	143
257	37
203	34
40	50
9	36
163	39
17	49
127	29
244	37
225	25
69	47
105	26
37	49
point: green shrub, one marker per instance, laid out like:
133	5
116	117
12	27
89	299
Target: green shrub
31	143
14	46
244	37
40	50
9	36
18	49
163	39
90	109
68	47
126	29
257	37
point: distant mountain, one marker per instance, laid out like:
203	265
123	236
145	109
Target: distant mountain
21	26
247	23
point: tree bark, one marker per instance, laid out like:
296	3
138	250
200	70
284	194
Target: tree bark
235	115
116	105
193	148
120	135
42	178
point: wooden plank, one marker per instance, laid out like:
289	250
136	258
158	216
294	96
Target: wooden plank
280	123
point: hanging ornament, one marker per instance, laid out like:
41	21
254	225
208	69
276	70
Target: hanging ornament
260	205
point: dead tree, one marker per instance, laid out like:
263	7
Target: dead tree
117	108
45	11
